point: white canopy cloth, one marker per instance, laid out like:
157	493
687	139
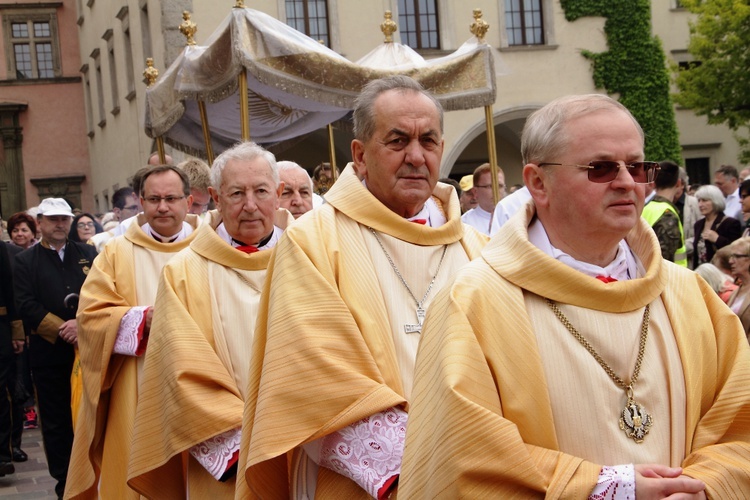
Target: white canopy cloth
296	85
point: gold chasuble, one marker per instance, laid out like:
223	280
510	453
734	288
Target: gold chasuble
196	363
330	346
124	275
507	403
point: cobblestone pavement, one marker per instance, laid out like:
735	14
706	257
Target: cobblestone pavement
31	480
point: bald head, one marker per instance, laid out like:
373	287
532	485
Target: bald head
298	188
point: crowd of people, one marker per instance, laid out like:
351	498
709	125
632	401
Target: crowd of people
246	330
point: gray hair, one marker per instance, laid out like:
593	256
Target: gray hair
364	114
545	136
713	276
711	193
290	166
684	177
242	151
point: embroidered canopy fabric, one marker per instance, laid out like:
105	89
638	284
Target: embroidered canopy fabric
296	85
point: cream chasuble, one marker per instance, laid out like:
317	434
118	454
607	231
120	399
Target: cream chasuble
417	264
588	404
196	363
124	275
330	346
490	419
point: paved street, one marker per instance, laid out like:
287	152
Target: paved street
31	479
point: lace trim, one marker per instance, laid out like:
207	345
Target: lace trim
615	483
216	454
368	452
130	333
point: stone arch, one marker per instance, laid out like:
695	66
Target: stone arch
470	149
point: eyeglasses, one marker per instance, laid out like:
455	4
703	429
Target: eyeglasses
84	225
603	171
739	255
155	200
131	207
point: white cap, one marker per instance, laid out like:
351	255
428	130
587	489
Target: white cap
55	206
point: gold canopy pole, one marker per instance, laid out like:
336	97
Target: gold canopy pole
150	74
479	28
332	152
189	28
244	97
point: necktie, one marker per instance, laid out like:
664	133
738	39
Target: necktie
419	221
606	279
247	248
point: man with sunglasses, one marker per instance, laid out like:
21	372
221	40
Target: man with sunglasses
572	360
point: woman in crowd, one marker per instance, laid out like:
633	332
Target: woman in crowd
722	284
739	301
83	228
22	229
715	230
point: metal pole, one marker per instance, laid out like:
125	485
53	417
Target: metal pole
244	107
206	132
491	152
332	152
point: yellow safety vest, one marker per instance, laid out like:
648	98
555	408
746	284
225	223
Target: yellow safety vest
652	212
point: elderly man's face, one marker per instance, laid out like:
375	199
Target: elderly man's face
727	184
247	200
297	194
586	211
54	228
401	161
164	203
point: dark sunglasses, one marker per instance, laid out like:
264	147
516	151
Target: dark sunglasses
602	171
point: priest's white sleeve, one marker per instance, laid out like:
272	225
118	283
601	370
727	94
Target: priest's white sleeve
131	339
368	452
615	483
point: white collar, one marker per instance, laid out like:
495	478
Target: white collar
221	230
624	266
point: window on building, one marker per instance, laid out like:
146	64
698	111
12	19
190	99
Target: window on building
89	100
32	46
99	87
418	23
113	83
524	22
309	17
145	32
698	170
127	44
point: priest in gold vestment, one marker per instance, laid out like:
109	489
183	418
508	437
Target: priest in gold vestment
187	427
114	322
571	360
342	310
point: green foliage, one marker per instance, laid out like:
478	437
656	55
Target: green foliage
635	68
719	87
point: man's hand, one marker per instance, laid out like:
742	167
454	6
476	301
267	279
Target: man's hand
660	481
69	331
18	346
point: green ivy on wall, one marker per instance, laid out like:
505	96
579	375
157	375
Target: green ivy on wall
634	68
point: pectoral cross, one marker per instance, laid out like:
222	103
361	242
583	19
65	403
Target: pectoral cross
420	319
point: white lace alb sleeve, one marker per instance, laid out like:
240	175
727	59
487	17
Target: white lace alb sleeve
130	333
218	453
368	452
615	483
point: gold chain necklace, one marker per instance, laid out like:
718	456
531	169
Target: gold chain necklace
634	420
421	313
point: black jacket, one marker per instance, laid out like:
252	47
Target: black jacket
42	283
